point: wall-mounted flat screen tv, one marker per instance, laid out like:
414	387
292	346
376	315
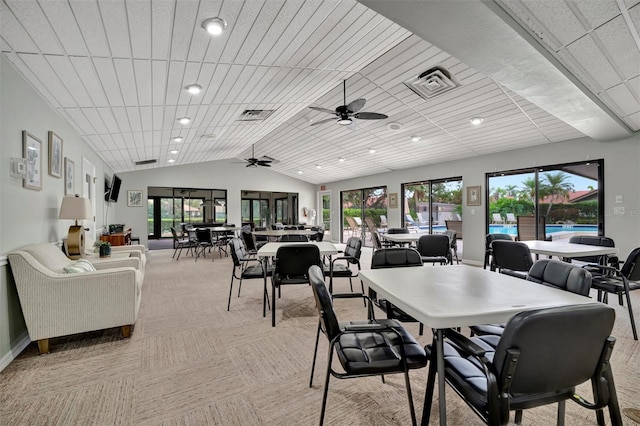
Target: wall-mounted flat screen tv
114	189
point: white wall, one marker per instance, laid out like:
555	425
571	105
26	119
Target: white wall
622	177
214	175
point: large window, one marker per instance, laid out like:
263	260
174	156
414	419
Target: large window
428	205
264	208
167	207
568	196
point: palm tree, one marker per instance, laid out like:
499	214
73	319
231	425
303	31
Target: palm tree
556	187
528	190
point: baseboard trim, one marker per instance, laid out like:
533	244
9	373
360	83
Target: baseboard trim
23	342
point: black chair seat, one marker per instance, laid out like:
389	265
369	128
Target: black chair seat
378	353
290	279
339	270
255	271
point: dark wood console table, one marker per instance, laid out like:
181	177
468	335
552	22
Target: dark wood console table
118	239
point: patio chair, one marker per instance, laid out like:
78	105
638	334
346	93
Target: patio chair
511	218
353	226
371	226
455	225
527	228
497	219
383	221
410	221
423	219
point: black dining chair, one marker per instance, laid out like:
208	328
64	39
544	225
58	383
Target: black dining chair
434	248
291	266
204	242
180	243
511	258
341	266
595	240
397	257
246	267
488	251
619	281
552	273
397	231
541	358
453	242
364	348
289	238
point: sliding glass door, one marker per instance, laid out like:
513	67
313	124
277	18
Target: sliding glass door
363	210
429	205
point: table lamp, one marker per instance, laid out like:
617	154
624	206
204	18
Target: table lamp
75	208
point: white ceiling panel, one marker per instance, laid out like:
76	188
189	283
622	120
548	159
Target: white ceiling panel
116	71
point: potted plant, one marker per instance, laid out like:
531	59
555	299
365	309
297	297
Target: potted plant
104	247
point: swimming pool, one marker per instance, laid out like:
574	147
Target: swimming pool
550	229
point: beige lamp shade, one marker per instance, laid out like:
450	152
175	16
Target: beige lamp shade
75	208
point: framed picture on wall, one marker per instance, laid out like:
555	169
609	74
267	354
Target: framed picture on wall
32	151
134	198
69	171
393	200
55	155
473	195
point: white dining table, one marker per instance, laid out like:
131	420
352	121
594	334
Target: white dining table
461	295
275	233
567	250
411	237
270	250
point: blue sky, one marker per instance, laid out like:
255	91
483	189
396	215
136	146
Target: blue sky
579	183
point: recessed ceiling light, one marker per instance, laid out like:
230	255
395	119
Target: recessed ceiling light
394	126
318	166
171	160
372	151
415	138
178	139
214	26
184	120
341	160
299	172
344	121
194	89
173	151
476	120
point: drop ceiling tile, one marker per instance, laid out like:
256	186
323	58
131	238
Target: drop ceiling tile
184	24
623	97
81	121
139	20
40	68
114	18
599	70
620	47
13	33
127	81
121	117
36	25
161	29
109	78
597	12
87	15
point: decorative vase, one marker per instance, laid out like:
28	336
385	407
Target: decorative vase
105	251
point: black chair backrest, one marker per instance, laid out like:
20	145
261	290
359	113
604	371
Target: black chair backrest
293	238
512	255
294	260
353	249
631	267
592	240
562	275
559	347
489	238
434	245
237	251
397	231
174	233
261	237
203	235
320	234
324	302
249	242
395	257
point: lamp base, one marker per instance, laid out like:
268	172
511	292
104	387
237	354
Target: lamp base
75	242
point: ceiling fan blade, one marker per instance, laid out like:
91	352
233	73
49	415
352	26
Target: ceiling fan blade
356	105
370	116
323	121
328	111
260	163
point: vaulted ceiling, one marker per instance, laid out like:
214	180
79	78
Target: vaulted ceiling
536	71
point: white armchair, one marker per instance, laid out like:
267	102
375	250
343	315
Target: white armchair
56	303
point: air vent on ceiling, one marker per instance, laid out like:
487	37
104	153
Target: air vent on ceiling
255	114
144	162
433	82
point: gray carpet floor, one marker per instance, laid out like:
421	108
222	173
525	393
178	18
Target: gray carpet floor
190	362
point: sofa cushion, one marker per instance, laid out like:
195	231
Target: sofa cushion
81	265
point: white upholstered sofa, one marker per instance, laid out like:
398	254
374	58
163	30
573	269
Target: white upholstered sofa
56	303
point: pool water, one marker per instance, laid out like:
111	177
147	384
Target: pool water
550	229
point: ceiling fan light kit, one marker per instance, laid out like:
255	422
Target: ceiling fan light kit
255	162
346	112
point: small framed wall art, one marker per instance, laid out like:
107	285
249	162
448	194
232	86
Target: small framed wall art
69	171
473	195
55	155
134	198
32	152
393	200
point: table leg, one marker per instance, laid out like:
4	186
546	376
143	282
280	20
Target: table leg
265	266
442	404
